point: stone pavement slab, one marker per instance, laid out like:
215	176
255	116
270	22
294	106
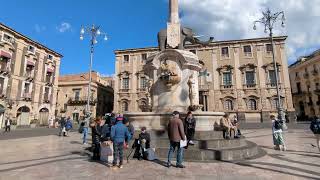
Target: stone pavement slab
58	158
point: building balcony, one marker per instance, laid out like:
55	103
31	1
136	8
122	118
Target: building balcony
124	90
49	81
4	69
29	75
26	96
250	86
306	75
204	87
317	91
46	99
226	86
142	89
81	101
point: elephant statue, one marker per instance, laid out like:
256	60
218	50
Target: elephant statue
187	35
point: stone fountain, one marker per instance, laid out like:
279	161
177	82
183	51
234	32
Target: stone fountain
173	74
173	86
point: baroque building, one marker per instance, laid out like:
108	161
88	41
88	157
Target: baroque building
305	79
73	93
238	76
29	73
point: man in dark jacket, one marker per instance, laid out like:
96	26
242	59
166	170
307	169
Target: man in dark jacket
176	134
96	130
119	136
8	123
315	128
62	123
190	127
142	144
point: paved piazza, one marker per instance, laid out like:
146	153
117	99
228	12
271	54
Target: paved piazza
58	158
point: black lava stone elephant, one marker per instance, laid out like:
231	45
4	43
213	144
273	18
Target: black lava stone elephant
187	35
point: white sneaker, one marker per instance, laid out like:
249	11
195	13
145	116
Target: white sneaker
191	142
85	144
284	148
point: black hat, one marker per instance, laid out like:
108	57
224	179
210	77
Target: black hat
175	113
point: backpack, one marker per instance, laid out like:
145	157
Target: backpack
68	125
149	154
277	124
315	126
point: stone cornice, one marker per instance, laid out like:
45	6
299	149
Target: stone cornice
17	34
213	44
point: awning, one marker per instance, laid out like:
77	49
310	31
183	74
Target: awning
5	54
30	63
49	70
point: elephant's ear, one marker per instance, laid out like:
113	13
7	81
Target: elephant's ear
186	31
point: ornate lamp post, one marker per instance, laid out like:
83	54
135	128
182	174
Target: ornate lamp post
268	20
93	32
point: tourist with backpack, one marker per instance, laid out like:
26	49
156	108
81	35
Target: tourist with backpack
84	129
315	128
119	136
277	132
68	126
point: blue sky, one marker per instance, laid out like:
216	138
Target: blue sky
135	23
57	23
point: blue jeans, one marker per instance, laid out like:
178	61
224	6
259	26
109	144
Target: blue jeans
173	146
85	134
117	151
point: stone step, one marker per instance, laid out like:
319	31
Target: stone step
204	144
199	135
205	155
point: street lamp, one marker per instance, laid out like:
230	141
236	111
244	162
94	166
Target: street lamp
268	20
93	32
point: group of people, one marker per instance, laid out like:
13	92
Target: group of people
65	125
228	126
115	130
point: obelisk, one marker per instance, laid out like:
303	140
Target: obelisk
173	25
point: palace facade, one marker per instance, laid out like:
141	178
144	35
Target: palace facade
238	76
73	95
305	79
29	73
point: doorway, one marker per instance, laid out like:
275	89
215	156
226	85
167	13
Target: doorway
23	114
44	116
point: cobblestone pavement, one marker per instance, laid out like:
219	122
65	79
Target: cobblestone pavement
58	158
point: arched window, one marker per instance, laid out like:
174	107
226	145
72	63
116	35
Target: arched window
228	105
125	106
143	106
275	103
252	104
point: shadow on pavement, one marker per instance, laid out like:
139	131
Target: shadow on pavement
275	168
281	157
41	163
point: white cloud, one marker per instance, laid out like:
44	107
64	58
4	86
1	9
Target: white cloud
39	28
64	27
233	19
